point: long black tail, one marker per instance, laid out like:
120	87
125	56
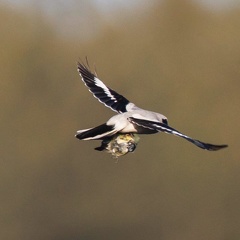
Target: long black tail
96	133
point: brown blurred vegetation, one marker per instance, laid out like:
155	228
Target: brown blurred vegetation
177	59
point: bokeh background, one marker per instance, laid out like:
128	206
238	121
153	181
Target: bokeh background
180	58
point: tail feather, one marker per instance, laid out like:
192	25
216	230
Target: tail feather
98	132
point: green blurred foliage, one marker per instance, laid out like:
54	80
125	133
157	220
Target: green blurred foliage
175	58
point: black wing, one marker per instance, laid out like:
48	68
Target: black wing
105	95
161	127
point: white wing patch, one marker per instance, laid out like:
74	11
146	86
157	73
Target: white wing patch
100	84
105	95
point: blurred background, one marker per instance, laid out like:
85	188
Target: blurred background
179	58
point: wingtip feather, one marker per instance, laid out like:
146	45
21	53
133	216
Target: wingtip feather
212	147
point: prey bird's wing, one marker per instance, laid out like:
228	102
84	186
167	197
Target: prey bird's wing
162	127
105	95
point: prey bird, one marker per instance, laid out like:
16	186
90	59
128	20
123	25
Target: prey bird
130	118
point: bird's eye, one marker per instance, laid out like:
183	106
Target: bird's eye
131	146
165	121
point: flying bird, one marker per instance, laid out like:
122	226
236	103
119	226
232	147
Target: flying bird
129	117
